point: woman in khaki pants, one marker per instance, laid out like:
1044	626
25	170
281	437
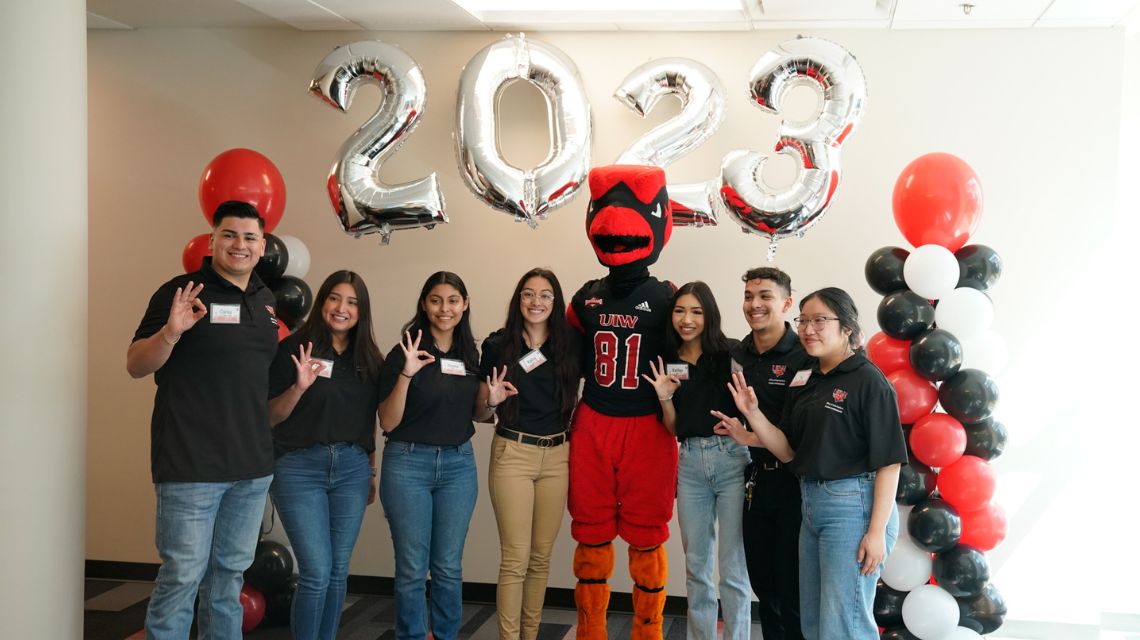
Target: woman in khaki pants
531	384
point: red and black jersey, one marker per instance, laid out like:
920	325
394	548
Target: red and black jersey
621	336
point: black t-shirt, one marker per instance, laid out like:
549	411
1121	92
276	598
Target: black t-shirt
439	405
769	374
705	390
211	413
337	409
621	336
844	422
537	409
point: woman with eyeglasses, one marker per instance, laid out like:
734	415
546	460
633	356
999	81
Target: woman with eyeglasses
530	384
428	388
710	471
840	433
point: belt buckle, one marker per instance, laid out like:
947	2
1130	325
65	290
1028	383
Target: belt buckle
770	466
544	442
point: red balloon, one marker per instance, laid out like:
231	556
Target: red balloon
937	440
917	396
937	200
246	175
252	608
282	331
888	354
195	250
968	484
985	528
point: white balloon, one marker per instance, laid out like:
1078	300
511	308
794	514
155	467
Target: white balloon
964	312
931	271
987	352
961	633
908	566
904	515
929	612
298	264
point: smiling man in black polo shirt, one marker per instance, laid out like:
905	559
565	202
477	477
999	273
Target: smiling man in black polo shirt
209	338
771	355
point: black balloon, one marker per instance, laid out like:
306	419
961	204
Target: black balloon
985	439
884	270
888	606
916	482
979	267
969	395
936	355
984	613
962	570
271	568
898	633
278	605
934	525
904	315
274	261
294	299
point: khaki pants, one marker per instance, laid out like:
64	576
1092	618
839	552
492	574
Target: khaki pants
528	486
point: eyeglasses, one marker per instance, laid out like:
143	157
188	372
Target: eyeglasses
528	296
817	323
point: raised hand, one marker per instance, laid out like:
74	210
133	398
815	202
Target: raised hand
500	388
664	385
743	395
414	358
185	310
308	369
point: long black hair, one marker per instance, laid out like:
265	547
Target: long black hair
560	345
463	335
361	342
713	340
841	304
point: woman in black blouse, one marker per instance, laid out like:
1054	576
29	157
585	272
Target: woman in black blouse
428	484
531	384
323	385
840	431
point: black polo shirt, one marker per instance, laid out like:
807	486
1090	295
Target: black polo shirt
844	422
337	409
705	390
770	373
537	409
438	407
211	413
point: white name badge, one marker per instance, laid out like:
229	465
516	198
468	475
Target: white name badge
225	313
678	370
532	360
326	372
801	378
452	367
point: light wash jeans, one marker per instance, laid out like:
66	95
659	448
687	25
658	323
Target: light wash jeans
321	493
710	499
835	598
205	533
428	493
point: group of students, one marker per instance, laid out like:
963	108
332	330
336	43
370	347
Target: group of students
821	420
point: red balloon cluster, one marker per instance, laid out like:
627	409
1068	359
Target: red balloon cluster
937	200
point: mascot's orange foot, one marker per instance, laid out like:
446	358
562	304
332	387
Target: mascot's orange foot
649	570
593	566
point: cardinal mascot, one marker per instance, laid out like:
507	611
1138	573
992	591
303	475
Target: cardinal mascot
623	462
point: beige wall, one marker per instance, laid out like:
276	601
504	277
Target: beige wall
1037	114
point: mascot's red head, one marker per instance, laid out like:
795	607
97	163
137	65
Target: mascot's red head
629	220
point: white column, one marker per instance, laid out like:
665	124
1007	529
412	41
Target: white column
43	340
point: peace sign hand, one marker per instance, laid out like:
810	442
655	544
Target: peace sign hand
499	388
414	358
743	395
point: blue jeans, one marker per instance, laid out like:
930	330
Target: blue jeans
205	533
835	598
710	491
321	493
428	493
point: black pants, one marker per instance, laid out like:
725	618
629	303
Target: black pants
771	547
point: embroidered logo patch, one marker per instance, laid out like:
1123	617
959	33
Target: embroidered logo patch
839	395
779	369
644	306
593	302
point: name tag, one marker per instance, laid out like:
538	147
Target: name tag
326	372
225	313
532	360
452	367
678	370
801	378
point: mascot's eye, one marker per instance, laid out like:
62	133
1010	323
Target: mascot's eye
657	212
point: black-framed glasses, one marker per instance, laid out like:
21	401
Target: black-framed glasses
528	296
817	323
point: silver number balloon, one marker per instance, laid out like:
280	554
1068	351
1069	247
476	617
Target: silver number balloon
528	195
702	111
815	145
362	202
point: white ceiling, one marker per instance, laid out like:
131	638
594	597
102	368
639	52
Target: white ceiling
547	15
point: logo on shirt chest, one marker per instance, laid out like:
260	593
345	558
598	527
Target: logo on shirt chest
593	302
779	369
617	320
836	405
272	315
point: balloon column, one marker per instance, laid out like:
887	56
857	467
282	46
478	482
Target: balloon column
269	586
248	176
937	349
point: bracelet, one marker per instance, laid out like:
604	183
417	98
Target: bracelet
405	375
666	399
167	340
487	403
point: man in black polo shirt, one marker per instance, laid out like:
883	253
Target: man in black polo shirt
209	338
771	355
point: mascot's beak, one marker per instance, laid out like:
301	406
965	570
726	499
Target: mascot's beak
620	236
